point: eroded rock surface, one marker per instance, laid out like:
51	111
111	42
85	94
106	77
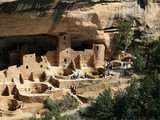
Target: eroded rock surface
89	20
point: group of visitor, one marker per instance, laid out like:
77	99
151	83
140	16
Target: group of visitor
125	65
77	75
108	68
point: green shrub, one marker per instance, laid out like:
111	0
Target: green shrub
55	105
70	102
81	85
62	105
46	115
70	117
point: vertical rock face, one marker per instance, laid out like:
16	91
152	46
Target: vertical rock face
85	20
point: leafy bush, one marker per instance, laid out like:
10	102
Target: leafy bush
62	105
70	117
46	115
55	105
70	102
81	85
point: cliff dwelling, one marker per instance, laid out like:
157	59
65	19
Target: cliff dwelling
33	68
13	48
58	56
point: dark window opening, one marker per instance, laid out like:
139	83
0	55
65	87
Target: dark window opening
97	48
0	54
65	60
41	66
81	46
64	37
26	67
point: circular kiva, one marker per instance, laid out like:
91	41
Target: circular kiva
37	88
9	104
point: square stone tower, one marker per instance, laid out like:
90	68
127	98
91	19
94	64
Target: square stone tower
64	50
99	51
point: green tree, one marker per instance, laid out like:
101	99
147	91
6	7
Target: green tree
138	52
140	100
150	95
102	108
126	105
119	104
139	62
124	37
155	55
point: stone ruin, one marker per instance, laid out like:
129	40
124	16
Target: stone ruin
29	79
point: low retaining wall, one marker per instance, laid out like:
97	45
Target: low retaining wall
29	98
67	83
94	87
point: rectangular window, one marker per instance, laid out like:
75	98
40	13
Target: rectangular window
26	67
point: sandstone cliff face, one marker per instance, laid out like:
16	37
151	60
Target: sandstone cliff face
85	20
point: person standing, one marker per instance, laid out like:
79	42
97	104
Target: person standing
105	64
78	75
120	65
110	67
104	74
108	72
124	64
85	75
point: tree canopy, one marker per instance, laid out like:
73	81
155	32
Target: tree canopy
123	39
141	100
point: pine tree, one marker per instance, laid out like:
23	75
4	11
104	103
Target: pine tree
123	39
